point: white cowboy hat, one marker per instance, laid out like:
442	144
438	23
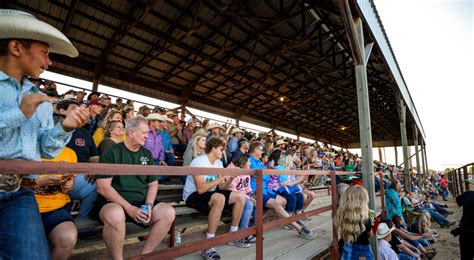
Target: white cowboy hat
16	24
236	130
155	116
383	230
170	113
280	141
214	125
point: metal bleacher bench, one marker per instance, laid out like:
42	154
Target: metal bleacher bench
90	231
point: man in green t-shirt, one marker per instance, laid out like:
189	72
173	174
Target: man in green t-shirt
120	197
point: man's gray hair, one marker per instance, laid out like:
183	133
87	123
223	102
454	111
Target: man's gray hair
134	123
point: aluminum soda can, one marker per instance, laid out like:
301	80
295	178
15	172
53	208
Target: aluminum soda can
177	240
144	208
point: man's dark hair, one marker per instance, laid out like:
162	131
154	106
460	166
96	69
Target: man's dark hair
64	104
254	145
213	143
242	141
4	45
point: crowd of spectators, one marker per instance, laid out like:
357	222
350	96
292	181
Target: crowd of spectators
92	128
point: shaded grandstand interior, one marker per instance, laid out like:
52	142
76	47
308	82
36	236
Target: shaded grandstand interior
281	64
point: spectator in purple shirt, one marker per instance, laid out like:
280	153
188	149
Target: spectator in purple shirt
188	131
154	143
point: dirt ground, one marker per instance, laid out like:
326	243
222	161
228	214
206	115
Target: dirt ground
448	245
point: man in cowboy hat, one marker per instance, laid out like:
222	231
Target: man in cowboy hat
27	130
236	133
215	130
154	142
384	236
280	145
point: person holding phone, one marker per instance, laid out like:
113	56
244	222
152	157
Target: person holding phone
122	198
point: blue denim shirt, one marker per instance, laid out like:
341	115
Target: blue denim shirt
27	138
165	137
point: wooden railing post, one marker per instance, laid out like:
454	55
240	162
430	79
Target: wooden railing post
450	182
461	186
335	236
466	178
259	231
382	194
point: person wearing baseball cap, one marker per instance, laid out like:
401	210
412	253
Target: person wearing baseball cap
25	44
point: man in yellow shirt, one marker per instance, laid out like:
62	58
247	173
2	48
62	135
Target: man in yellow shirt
51	196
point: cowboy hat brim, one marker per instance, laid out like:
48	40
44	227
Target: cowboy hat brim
16	24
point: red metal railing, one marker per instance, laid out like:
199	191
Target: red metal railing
29	167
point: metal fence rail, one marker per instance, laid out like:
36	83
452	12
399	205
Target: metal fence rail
460	179
30	167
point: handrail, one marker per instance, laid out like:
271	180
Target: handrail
458	179
33	167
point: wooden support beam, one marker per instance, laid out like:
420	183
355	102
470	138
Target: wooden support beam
418	168
401	108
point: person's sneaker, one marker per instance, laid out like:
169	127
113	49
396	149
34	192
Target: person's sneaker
301	223
244	243
450	212
210	254
307	234
287	227
452	223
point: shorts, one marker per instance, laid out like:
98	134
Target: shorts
98	205
200	202
267	196
53	218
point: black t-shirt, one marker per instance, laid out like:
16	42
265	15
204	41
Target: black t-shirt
395	242
82	143
466	200
363	238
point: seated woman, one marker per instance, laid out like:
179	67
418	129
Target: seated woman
417	240
99	133
287	187
270	198
195	147
241	183
51	196
114	135
405	250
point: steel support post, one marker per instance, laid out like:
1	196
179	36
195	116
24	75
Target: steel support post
403	130
365	129
425	171
418	168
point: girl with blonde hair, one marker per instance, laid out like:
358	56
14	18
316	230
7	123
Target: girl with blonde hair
354	224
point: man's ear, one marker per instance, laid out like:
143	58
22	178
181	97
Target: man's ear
15	48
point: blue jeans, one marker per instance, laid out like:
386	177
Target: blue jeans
86	193
22	233
438	208
444	193
246	214
440	219
294	202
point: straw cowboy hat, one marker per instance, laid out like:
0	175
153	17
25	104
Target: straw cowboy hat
236	130
170	113
383	230
214	125
280	141
155	116
16	24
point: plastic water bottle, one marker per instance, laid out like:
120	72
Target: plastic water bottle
177	239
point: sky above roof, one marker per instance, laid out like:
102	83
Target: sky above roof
433	41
